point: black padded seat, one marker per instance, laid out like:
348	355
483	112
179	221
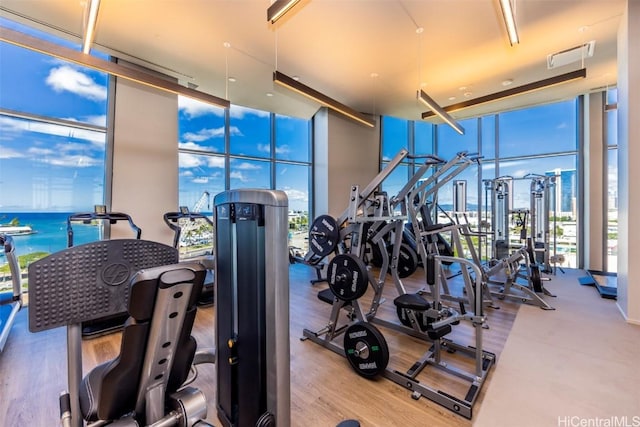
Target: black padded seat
412	302
111	390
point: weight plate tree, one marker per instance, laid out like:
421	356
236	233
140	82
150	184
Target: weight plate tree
323	235
347	277
252	314
366	349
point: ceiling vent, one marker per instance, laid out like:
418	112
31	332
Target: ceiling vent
569	56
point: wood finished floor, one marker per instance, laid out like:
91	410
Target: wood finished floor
324	389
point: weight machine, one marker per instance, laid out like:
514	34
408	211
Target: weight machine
370	219
10	302
422	208
182	223
516	258
252	315
147	384
114	321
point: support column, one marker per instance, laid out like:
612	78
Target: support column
628	155
346	153
593	195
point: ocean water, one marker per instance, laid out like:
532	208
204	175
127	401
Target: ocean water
50	232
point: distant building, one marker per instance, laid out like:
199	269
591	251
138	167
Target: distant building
566	190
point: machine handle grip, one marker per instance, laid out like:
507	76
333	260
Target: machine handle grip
65	409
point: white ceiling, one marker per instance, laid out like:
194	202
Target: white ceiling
334	46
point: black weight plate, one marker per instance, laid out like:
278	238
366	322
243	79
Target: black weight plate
536	280
376	255
530	251
347	277
366	349
323	235
403	315
407	261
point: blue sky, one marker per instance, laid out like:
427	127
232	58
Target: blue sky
530	132
60	168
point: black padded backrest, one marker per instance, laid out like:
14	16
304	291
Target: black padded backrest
89	281
170	347
145	359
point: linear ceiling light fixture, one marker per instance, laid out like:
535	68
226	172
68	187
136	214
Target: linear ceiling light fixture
294	85
569	56
519	90
279	8
436	109
91	19
58	51
509	21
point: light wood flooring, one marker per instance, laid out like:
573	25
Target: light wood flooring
324	389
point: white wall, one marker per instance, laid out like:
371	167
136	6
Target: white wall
346	153
145	159
628	154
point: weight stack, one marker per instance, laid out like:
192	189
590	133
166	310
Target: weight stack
252	308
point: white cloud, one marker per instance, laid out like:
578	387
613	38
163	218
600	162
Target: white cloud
283	149
8	153
193	108
215	162
200	180
40	151
247	166
562	125
70	146
189	146
204	134
187	160
238	112
67	78
97	120
77	161
186	173
239	176
296	195
265	148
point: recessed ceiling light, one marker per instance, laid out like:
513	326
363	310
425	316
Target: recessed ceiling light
507	82
374	75
232	79
452	98
462	88
226	44
296	78
468	94
269	94
419	30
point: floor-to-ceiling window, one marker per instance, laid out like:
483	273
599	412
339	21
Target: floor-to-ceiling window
396	134
611	184
522	145
52	146
542	141
244	148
